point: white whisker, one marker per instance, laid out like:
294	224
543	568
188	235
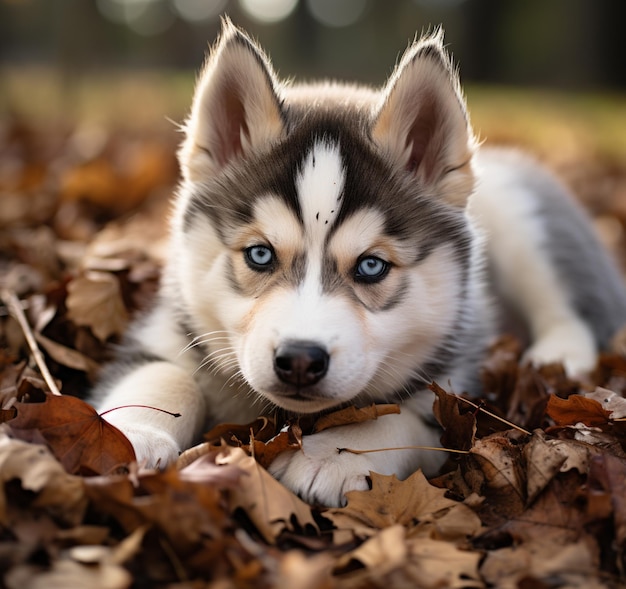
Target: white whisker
206	338
219	360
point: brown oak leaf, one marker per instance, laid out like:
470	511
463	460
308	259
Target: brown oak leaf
411	503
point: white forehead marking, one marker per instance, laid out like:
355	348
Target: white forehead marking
320	187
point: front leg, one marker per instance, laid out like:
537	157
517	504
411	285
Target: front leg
321	474
156	436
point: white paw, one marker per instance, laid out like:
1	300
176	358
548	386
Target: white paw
154	448
572	344
319	474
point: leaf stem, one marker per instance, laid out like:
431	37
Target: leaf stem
14	307
141	407
352	451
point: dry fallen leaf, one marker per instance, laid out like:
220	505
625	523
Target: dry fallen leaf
610	401
459	429
542	566
441	564
40	473
497	472
94	300
545	458
67	356
576	409
410	503
391	559
270	506
204	470
259	439
82	440
385	551
554	517
352	414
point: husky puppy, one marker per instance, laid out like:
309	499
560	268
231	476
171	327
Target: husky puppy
334	245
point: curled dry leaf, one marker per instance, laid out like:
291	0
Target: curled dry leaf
261	429
392	559
193	454
547	457
270	506
352	414
39	472
82	440
610	401
94	300
204	470
384	552
441	564
67	356
459	429
496	471
259	439
542	566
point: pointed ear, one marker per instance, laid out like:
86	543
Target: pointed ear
422	124
236	106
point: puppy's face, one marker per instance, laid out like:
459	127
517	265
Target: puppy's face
318	260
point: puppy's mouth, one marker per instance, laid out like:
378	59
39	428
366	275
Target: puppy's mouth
301	400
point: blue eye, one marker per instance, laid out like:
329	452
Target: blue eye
371	269
260	257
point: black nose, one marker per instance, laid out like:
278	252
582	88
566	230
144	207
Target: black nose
301	363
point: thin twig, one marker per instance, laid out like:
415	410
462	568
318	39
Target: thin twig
15	309
352	451
507	422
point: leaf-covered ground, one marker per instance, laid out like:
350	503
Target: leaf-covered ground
534	498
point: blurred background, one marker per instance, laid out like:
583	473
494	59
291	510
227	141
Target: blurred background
564	43
50	48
